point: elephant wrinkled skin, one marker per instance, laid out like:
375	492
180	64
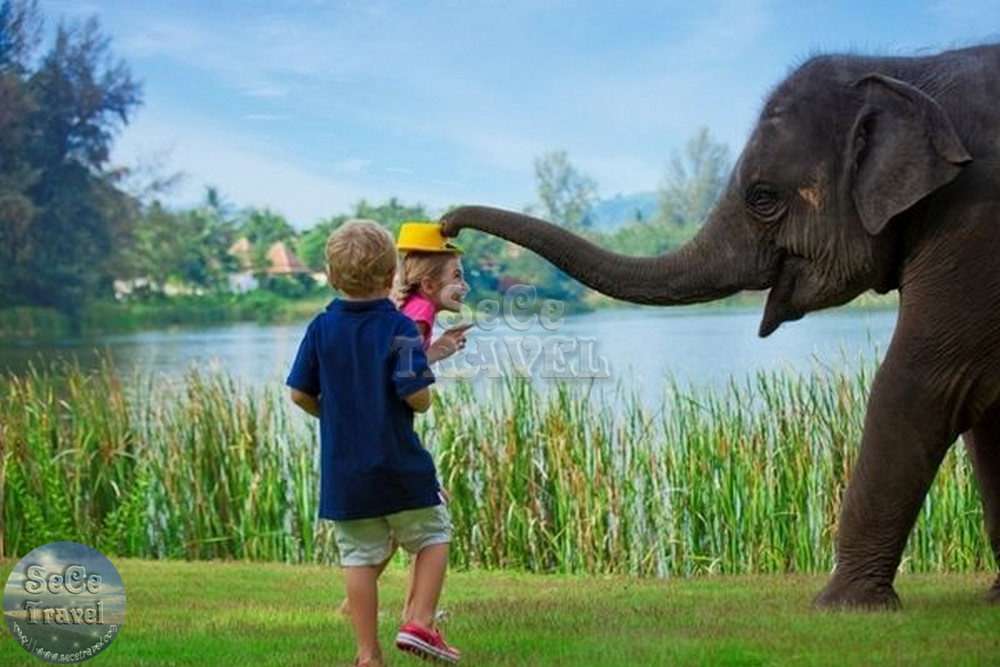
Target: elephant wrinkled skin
862	173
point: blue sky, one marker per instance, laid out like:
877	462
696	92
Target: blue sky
307	106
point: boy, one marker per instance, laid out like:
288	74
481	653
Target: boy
361	370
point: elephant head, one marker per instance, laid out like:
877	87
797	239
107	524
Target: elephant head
812	211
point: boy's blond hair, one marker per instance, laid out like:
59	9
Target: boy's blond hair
359	256
414	268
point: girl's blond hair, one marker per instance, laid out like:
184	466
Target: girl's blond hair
414	268
359	256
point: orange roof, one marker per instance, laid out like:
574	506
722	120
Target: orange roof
283	260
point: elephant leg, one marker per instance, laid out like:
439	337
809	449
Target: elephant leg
983	444
906	435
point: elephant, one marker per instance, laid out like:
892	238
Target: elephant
861	173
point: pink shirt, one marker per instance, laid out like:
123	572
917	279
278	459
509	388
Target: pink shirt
421	310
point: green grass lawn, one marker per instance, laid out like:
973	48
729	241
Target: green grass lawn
224	614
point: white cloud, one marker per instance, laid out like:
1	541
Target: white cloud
966	12
266	91
73	9
352	165
246	171
452	101
174	38
266	117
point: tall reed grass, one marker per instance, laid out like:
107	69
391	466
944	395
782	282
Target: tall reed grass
746	480
199	469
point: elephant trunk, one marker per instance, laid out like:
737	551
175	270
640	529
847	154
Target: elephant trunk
704	269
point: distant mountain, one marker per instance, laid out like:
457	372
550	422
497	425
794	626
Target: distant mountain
610	214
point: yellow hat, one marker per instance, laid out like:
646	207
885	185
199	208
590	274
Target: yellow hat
423	237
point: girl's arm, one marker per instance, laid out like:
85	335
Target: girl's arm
447	344
437	351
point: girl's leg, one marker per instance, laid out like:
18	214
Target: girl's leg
362	595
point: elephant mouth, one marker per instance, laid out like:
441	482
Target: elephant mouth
779	308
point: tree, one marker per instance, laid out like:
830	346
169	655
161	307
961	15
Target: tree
153	251
205	260
216	225
565	193
189	247
20	30
263	228
61	209
391	214
566	196
19	25
311	245
694	181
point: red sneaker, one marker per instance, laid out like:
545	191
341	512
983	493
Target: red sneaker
427	644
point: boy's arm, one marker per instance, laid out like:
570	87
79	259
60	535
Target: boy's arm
303	377
307	402
410	372
419	400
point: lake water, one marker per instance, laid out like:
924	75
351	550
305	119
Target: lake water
640	348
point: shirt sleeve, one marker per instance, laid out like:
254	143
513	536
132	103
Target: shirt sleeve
304	374
420	310
410	372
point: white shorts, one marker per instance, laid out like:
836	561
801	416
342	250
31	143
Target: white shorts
369	542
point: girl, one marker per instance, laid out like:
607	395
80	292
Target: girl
430	279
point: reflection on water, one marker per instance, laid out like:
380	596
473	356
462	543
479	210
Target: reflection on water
641	348
258	353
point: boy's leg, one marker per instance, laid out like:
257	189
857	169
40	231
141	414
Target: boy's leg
425	533
426	583
408	602
417	634
345	606
362	595
365	547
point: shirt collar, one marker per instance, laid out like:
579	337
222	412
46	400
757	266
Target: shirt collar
359	306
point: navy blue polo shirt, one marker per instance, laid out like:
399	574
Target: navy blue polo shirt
361	358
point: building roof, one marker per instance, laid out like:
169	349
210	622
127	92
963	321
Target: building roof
280	258
241	251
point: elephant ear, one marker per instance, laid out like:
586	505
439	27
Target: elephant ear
902	147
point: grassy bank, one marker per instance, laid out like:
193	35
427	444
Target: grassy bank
232	613
188	310
114	317
747	480
266	307
31	322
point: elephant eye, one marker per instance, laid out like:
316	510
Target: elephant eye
764	202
